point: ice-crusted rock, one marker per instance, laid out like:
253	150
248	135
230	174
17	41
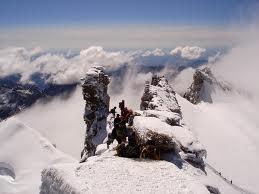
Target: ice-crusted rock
177	136
160	96
97	100
203	82
171	118
160	121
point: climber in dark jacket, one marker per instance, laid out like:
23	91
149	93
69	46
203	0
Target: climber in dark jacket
113	111
116	124
124	112
129	117
113	134
121	132
117	121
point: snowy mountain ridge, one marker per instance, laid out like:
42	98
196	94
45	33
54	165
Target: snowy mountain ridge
163	113
88	176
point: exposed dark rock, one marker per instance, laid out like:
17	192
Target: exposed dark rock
94	86
7	170
213	190
193	93
203	82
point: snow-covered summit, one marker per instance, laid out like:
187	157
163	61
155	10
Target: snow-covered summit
111	174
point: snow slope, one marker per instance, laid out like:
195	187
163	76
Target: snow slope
229	131
24	153
60	121
111	174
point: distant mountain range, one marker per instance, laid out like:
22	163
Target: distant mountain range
16	96
43	82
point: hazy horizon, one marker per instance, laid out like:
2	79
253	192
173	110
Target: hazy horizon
127	25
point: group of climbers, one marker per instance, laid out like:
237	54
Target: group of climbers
122	131
119	131
125	135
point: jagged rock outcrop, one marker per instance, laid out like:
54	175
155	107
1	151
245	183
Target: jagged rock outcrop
97	100
160	96
160	122
203	83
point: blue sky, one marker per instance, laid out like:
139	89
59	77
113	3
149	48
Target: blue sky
32	22
195	12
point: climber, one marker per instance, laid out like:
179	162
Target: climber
124	112
121	132
113	134
130	120
113	111
116	124
122	106
129	117
117	121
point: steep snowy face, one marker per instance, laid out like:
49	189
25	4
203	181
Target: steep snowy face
229	131
204	82
23	154
97	100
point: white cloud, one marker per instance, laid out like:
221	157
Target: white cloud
60	120
240	66
156	52
213	59
62	69
183	80
131	88
188	52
